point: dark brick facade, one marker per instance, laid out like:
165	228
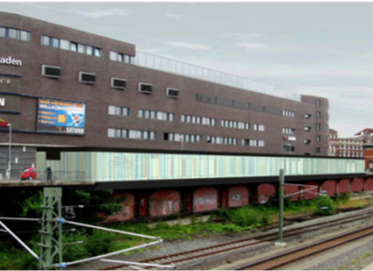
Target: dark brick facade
100	95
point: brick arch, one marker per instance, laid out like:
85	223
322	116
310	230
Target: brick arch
205	199
238	196
330	187
368	184
265	191
357	185
164	202
343	186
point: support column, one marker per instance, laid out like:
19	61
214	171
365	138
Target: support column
51	229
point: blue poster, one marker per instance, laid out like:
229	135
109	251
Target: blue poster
61	116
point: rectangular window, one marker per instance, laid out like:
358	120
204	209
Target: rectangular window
318	103
172	92
2	32
118	83
318	138
145	88
89	50
318	126
97	52
87	78
55	42
73	46
51	71
318	114
120	58
113	56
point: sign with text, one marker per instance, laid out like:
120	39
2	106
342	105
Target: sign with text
61	116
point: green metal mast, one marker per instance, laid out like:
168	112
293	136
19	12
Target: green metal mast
51	229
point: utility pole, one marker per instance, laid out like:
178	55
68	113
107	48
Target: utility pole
10	150
280	242
51	230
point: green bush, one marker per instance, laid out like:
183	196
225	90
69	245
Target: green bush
247	216
342	198
324	205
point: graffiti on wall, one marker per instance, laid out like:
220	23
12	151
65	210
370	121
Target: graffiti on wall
205	199
164	202
238	196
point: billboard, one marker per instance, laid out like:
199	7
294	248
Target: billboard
61	116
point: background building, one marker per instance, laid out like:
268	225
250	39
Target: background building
349	146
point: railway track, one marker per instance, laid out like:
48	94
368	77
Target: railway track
201	254
289	257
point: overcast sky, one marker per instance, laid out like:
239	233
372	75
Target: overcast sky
322	49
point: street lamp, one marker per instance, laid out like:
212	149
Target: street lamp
9	150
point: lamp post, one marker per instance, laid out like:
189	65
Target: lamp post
10	150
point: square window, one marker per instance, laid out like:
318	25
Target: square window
97	52
120	58
12	33
113	56
89	50
111	110
140	113
73	46
25	35
111	132
65	44
55	42
45	40
81	48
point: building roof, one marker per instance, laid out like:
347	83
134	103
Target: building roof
366	131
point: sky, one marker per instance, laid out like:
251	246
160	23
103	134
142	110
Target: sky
321	49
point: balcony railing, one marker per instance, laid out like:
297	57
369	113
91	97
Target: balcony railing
178	67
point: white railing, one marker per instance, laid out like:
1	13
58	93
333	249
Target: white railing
178	67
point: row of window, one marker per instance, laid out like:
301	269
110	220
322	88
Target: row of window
114	56
119	83
198	120
182	137
353	147
222	140
253	142
259	127
158	115
288	131
235	124
132	134
12	33
288	113
71	46
119	110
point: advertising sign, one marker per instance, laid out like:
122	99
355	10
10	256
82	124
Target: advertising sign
61	116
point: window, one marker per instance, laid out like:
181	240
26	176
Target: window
288	113
318	114
318	150
318	103
181	137
307	116
148	114
289	131
73	47
12	33
118	110
87	78
114	56
65	44
198	120
45	40
259	127
118	83
307	128
318	138
145	88
81	48
318	126
307	141
172	92
288	148
51	71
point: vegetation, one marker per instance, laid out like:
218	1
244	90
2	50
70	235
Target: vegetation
87	242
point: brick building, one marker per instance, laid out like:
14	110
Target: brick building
349	146
63	89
